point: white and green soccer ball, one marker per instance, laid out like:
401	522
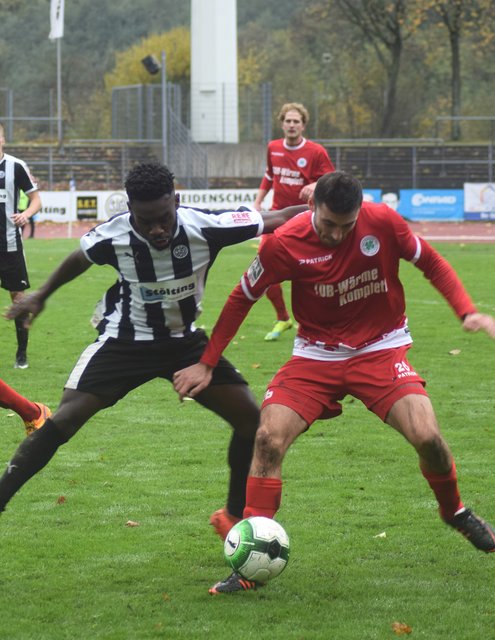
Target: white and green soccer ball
257	548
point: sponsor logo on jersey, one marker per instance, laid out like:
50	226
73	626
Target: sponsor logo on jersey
361	293
172	290
302	162
289	176
241	217
3	195
324	290
255	271
180	251
354	288
370	245
316	260
285	172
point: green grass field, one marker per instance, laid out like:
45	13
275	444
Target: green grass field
367	547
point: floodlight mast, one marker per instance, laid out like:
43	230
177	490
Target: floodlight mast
152	66
164	109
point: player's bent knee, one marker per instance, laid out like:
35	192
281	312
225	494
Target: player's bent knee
270	447
433	448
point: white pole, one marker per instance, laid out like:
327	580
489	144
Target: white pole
164	109
59	92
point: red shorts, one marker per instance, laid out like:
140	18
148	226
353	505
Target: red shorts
313	388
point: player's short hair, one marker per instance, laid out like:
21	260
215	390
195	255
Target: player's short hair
2	130
294	106
341	192
149	181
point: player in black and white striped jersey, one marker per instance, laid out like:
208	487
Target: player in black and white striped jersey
162	253
14	177
160	287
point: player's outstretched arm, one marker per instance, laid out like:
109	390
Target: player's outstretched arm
192	380
443	277
30	306
479	322
274	219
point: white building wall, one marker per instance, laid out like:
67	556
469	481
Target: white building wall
214	96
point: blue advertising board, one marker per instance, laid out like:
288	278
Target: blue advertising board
432	204
372	195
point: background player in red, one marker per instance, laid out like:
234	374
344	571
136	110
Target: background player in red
293	166
33	414
343	260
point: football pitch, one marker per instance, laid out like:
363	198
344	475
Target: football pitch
111	540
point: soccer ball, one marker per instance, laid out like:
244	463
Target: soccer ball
257	548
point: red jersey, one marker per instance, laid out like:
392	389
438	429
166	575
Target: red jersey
289	169
347	299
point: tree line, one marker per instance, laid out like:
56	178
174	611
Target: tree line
370	68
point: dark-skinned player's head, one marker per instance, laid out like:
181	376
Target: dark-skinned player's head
149	181
153	203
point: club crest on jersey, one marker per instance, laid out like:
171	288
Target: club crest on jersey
180	251
302	162
2	175
255	271
369	245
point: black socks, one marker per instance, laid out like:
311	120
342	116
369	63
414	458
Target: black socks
32	455
240	454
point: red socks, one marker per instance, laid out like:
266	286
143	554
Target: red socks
262	497
10	399
276	297
444	486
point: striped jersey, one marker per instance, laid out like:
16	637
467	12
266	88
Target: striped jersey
14	176
158	293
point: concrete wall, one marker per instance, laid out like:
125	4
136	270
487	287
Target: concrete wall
246	160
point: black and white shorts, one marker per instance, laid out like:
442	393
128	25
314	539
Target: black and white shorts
110	368
13	271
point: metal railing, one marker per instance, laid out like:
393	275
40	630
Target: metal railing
51	163
373	143
135	111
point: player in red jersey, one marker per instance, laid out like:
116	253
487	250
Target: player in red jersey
342	258
33	414
293	166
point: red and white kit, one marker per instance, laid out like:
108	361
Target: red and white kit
289	169
348	300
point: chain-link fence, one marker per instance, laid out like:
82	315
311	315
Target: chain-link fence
28	118
136	111
136	114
